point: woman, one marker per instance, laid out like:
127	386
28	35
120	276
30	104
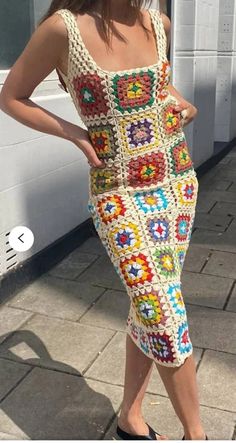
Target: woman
111	56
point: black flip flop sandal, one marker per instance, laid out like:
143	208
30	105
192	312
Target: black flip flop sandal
205	438
126	436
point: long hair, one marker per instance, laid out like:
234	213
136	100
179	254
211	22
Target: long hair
84	6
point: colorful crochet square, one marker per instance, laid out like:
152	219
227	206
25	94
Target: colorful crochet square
161	346
181	253
90	94
184	342
165	260
136	270
187	191
139	132
143	339
110	208
181	160
146	169
133	91
134	331
182	227
148	308
176	299
151	201
103	141
171	119
158	229
92	210
164	75
125	238
163	94
102	180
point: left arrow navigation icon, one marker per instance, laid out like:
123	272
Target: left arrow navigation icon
21	238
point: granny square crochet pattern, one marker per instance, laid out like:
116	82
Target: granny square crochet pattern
133	92
143	200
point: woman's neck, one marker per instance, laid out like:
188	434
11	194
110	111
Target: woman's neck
119	9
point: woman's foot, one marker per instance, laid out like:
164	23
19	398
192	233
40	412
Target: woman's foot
137	426
196	435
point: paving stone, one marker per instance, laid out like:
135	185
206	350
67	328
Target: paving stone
214	240
205	204
224	208
232	188
231	162
10	374
50	405
212	328
92	246
73	265
195	258
225	196
57	297
102	273
213	182
216	380
4	436
205	290
221	264
232	153
110	366
59	344
11	319
210	174
217	424
110	311
211	221
227	173
221	185
231	305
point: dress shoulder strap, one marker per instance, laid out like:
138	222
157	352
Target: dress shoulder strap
161	39
75	55
68	18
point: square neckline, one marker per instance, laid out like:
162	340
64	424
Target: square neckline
123	71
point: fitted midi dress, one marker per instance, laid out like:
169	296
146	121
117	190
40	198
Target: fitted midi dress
143	200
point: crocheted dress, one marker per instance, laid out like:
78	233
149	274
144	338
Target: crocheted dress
143	201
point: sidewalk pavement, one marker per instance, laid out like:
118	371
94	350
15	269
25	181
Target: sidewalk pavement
62	339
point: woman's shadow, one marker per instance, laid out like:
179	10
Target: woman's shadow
53	404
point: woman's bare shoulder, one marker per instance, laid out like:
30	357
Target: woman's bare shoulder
55	25
166	22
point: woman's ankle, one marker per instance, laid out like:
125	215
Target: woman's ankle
130	417
194	434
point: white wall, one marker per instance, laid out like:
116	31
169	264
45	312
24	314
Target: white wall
194	61
43	180
225	121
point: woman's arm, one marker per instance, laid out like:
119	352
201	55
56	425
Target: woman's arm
190	110
39	58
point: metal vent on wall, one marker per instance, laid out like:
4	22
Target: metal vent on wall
8	256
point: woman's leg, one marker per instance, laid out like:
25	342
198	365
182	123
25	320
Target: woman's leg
181	386
138	369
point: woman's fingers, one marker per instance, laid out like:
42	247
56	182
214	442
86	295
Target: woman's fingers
187	112
92	157
82	140
88	150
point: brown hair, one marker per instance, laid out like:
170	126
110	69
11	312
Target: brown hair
84	6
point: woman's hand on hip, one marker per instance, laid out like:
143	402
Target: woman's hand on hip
187	110
82	140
